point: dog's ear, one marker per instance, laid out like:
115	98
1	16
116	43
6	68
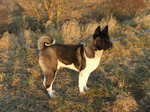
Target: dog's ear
97	32
105	30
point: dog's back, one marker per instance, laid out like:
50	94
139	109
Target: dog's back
66	54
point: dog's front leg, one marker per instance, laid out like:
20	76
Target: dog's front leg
83	78
86	80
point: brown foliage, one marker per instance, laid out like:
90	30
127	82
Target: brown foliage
31	7
125	103
126	7
71	31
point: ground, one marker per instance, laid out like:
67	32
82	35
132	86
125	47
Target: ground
121	83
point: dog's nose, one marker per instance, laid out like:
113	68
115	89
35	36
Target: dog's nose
111	45
112	41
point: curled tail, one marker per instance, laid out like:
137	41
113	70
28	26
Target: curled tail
45	41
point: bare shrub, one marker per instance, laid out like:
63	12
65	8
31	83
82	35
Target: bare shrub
5	44
55	10
5	41
143	21
125	103
125	7
34	24
90	28
112	23
31	7
121	9
27	38
71	31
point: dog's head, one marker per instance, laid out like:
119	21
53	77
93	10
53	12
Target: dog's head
101	39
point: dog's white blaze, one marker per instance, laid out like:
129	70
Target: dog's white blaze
62	65
91	65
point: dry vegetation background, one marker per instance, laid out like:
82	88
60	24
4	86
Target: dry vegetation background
120	84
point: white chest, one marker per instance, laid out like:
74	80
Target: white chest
92	63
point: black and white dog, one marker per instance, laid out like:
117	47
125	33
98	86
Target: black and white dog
81	58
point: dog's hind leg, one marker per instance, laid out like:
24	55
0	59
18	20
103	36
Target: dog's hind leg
48	82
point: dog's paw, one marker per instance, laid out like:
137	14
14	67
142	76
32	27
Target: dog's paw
53	94
82	93
86	88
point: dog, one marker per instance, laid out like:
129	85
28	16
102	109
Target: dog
81	58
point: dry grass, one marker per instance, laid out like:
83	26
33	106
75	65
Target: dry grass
112	23
144	22
123	70
89	29
71	31
120	84
125	103
5	42
126	7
